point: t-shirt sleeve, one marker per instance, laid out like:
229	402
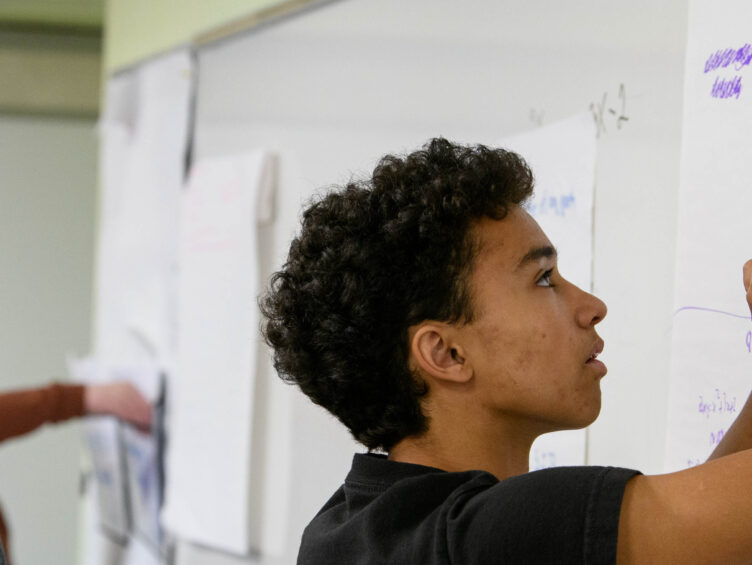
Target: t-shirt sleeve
23	411
559	515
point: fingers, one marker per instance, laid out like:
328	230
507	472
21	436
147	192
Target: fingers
119	399
133	407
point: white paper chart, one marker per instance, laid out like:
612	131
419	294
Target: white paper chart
711	357
562	156
212	391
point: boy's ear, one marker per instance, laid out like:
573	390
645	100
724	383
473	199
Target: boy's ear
435	353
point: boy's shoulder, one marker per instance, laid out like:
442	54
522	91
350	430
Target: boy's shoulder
394	512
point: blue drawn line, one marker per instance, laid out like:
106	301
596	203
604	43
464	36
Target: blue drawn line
713	310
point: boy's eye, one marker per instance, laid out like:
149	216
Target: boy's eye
545	279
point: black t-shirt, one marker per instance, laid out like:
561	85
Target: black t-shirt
398	513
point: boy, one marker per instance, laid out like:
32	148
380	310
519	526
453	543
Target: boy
425	310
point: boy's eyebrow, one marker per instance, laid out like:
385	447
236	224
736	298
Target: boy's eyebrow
536	253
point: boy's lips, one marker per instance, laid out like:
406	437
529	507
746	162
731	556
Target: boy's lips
593	362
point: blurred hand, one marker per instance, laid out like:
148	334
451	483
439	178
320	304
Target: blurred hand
119	399
748	282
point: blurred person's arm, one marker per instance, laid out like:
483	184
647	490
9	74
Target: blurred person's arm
23	411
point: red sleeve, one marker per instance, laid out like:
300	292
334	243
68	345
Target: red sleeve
23	411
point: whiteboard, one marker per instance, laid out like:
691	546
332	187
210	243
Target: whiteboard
332	90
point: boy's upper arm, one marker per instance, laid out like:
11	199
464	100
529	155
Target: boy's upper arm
702	515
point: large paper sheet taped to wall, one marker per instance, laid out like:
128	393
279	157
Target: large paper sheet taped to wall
562	156
144	139
144	142
711	356
208	470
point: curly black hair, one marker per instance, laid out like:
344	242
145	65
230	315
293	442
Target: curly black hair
374	258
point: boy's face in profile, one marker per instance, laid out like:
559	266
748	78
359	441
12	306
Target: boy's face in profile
532	341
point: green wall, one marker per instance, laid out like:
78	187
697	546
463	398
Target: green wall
137	29
77	13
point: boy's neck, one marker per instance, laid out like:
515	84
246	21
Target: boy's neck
468	446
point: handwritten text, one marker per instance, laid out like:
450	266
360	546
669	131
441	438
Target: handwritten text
603	111
725	87
720	403
552	204
543	459
724	57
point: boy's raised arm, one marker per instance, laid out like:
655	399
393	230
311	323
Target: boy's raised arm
739	435
701	515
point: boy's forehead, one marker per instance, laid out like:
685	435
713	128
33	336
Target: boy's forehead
508	241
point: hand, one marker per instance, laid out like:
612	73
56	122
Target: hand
119	399
748	282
